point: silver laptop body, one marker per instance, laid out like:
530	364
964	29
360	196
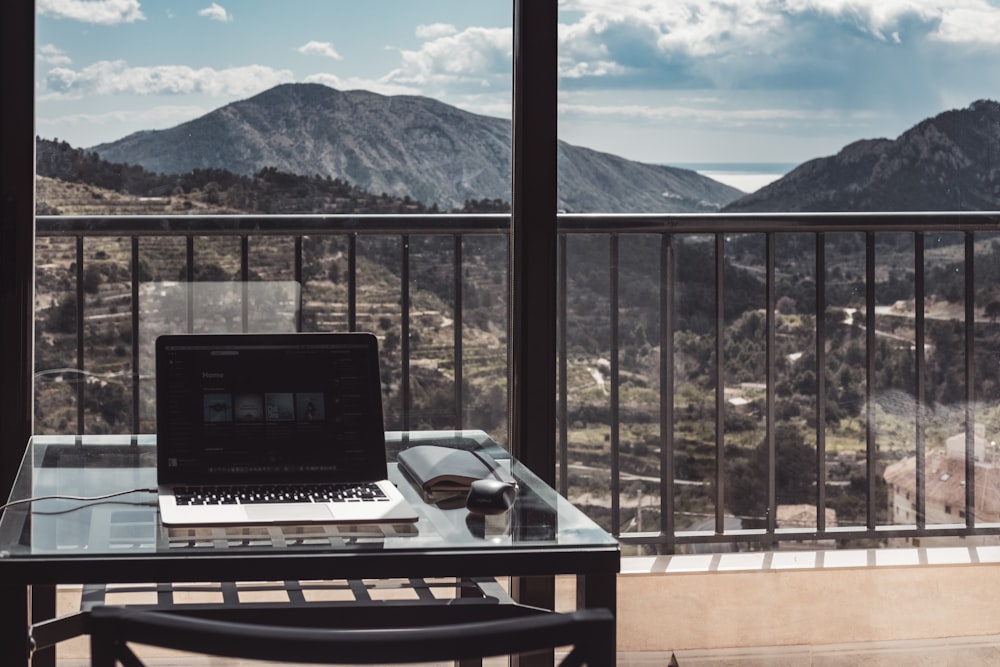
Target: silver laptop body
259	429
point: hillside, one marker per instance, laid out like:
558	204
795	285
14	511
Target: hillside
72	181
405	146
947	163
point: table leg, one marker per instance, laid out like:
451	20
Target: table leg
536	592
464	592
600	591
43	608
14	628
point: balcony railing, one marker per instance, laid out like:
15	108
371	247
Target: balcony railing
643	299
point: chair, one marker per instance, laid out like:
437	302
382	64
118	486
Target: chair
112	628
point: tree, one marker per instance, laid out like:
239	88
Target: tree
794	474
992	311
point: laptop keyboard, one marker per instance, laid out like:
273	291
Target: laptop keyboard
299	493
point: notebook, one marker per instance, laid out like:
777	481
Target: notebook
258	429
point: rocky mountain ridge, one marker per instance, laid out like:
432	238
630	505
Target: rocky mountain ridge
950	162
406	146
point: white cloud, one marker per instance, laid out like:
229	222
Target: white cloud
478	57
356	83
971	25
315	48
216	12
112	122
605	40
707	115
436	30
102	12
52	55
117	78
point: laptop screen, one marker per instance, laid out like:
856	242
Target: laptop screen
268	408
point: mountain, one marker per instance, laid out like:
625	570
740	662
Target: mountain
406	146
947	163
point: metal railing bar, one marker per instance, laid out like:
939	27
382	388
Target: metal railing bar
770	354
189	281
266	225
568	223
404	325
970	379
720	384
80	363
846	534
615	413
458	326
920	363
352	282
667	467
777	222
562	455
871	449
134	328
297	276
821	383
244	278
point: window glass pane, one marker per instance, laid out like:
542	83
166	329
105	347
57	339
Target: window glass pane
812	373
744	92
163	126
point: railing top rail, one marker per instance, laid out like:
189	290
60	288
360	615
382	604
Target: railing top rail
498	223
237	225
734	223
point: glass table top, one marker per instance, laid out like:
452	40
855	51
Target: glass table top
93	496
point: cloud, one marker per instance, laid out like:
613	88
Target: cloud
118	78
356	83
315	48
101	12
50	54
734	43
971	25
475	57
436	30
113	121
698	114
216	12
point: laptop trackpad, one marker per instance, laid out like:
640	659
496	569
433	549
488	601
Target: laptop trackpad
302	512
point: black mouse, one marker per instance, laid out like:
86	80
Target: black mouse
490	496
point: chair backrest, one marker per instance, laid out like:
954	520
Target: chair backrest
112	628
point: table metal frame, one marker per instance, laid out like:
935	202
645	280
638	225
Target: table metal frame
28	582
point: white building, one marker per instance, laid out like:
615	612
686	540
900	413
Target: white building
945	488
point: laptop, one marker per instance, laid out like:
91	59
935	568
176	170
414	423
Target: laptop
263	429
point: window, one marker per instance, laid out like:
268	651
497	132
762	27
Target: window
340	109
672	384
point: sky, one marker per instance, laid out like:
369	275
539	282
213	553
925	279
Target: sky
663	81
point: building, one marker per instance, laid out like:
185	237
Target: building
945	487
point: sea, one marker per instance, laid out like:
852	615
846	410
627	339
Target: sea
745	176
